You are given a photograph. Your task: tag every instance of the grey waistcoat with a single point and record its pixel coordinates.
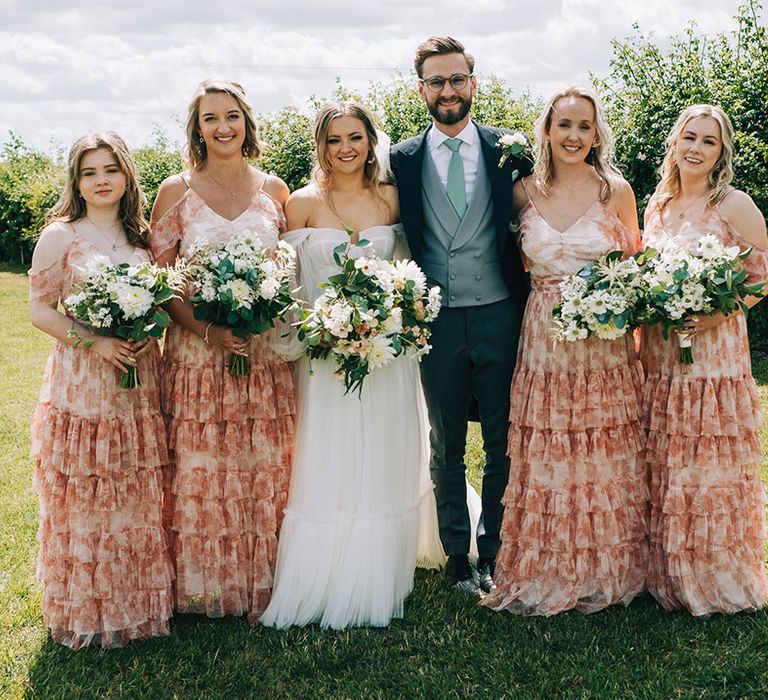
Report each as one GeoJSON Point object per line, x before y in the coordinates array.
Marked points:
{"type": "Point", "coordinates": [461, 255]}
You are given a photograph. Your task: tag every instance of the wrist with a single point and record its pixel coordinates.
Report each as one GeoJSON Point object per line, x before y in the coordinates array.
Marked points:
{"type": "Point", "coordinates": [79, 341]}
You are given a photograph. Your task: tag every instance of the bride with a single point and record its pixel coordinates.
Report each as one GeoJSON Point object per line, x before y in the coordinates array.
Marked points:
{"type": "Point", "coordinates": [360, 488]}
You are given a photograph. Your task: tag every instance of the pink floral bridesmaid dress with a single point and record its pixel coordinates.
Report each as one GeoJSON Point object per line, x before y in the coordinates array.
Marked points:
{"type": "Point", "coordinates": [574, 533]}
{"type": "Point", "coordinates": [99, 454]}
{"type": "Point", "coordinates": [230, 437]}
{"type": "Point", "coordinates": [707, 532]}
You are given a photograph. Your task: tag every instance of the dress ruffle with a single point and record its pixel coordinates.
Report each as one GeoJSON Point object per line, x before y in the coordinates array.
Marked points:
{"type": "Point", "coordinates": [708, 527]}
{"type": "Point", "coordinates": [78, 445]}
{"type": "Point", "coordinates": [579, 399]}
{"type": "Point", "coordinates": [231, 439]}
{"type": "Point", "coordinates": [574, 533]}
{"type": "Point", "coordinates": [580, 547]}
{"type": "Point", "coordinates": [100, 452]}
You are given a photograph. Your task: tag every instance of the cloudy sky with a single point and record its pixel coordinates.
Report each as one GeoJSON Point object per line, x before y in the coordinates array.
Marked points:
{"type": "Point", "coordinates": [67, 67]}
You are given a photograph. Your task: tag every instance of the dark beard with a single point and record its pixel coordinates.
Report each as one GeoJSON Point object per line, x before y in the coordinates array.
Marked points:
{"type": "Point", "coordinates": [452, 116]}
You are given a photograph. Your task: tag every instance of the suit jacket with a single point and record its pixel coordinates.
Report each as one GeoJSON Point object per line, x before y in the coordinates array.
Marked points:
{"type": "Point", "coordinates": [406, 160]}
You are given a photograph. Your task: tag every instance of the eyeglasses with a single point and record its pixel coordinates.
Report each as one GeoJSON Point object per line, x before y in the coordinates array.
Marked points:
{"type": "Point", "coordinates": [458, 81]}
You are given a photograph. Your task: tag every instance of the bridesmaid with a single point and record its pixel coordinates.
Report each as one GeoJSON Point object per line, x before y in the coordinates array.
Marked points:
{"type": "Point", "coordinates": [707, 515]}
{"type": "Point", "coordinates": [230, 437]}
{"type": "Point", "coordinates": [574, 528]}
{"type": "Point", "coordinates": [99, 450]}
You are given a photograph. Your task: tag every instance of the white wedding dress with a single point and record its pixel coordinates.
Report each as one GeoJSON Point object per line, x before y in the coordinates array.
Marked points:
{"type": "Point", "coordinates": [361, 509]}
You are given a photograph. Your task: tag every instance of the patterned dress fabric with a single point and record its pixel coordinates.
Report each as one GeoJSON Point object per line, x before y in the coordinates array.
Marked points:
{"type": "Point", "coordinates": [230, 437]}
{"type": "Point", "coordinates": [99, 454]}
{"type": "Point", "coordinates": [707, 531]}
{"type": "Point", "coordinates": [574, 533]}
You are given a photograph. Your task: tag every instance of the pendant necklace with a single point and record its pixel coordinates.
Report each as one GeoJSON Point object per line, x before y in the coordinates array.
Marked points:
{"type": "Point", "coordinates": [231, 193]}
{"type": "Point", "coordinates": [112, 243]}
{"type": "Point", "coordinates": [683, 212]}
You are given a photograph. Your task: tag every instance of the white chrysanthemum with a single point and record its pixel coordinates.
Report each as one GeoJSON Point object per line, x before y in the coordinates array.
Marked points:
{"type": "Point", "coordinates": [241, 293]}
{"type": "Point", "coordinates": [380, 351]}
{"type": "Point", "coordinates": [608, 331]}
{"type": "Point", "coordinates": [434, 303]}
{"type": "Point", "coordinates": [410, 271]}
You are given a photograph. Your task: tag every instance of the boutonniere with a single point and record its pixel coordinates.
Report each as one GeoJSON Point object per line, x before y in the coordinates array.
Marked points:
{"type": "Point", "coordinates": [511, 145]}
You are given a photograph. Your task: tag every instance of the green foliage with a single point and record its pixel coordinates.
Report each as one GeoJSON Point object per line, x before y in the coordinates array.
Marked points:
{"type": "Point", "coordinates": [154, 163]}
{"type": "Point", "coordinates": [648, 87]}
{"type": "Point", "coordinates": [29, 185]}
{"type": "Point", "coordinates": [289, 147]}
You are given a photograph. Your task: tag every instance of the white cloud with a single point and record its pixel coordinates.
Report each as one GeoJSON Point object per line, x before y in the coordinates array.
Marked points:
{"type": "Point", "coordinates": [68, 67]}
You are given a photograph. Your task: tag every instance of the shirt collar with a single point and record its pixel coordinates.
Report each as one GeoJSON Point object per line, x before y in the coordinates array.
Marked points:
{"type": "Point", "coordinates": [468, 135]}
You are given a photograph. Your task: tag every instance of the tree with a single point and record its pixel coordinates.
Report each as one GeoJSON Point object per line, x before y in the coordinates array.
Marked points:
{"type": "Point", "coordinates": [647, 89]}
{"type": "Point", "coordinates": [30, 183]}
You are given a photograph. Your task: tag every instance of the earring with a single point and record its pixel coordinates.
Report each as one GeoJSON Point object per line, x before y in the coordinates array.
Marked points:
{"type": "Point", "coordinates": [201, 140]}
{"type": "Point", "coordinates": [372, 159]}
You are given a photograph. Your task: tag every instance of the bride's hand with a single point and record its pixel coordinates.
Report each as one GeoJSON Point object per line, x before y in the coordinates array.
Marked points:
{"type": "Point", "coordinates": [223, 337]}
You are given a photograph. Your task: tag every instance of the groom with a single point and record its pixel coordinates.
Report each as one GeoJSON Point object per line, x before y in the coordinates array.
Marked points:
{"type": "Point", "coordinates": [455, 203]}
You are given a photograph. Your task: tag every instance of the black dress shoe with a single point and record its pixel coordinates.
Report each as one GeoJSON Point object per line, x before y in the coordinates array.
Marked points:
{"type": "Point", "coordinates": [486, 568]}
{"type": "Point", "coordinates": [460, 575]}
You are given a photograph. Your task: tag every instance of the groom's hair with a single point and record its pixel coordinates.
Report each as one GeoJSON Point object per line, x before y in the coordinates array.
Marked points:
{"type": "Point", "coordinates": [437, 46]}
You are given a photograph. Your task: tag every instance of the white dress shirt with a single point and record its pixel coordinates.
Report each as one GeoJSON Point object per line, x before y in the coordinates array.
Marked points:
{"type": "Point", "coordinates": [469, 152]}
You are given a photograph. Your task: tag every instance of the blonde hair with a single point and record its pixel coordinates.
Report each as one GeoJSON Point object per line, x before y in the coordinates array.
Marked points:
{"type": "Point", "coordinates": [600, 156]}
{"type": "Point", "coordinates": [719, 177]}
{"type": "Point", "coordinates": [71, 206]}
{"type": "Point", "coordinates": [196, 151]}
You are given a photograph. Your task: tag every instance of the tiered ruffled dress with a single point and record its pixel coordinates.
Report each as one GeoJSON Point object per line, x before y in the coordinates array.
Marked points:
{"type": "Point", "coordinates": [230, 437]}
{"type": "Point", "coordinates": [707, 531]}
{"type": "Point", "coordinates": [99, 453]}
{"type": "Point", "coordinates": [574, 533]}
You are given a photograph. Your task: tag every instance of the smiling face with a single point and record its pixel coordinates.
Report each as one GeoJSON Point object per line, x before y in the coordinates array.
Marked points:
{"type": "Point", "coordinates": [346, 145]}
{"type": "Point", "coordinates": [221, 124]}
{"type": "Point", "coordinates": [448, 105]}
{"type": "Point", "coordinates": [101, 181]}
{"type": "Point", "coordinates": [698, 147]}
{"type": "Point", "coordinates": [572, 129]}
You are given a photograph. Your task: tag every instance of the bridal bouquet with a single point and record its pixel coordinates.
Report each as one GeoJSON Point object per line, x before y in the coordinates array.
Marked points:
{"type": "Point", "coordinates": [600, 299]}
{"type": "Point", "coordinates": [123, 301]}
{"type": "Point", "coordinates": [243, 285]}
{"type": "Point", "coordinates": [369, 313]}
{"type": "Point", "coordinates": [682, 284]}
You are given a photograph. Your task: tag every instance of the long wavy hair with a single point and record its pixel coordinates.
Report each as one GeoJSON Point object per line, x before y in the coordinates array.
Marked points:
{"type": "Point", "coordinates": [323, 168]}
{"type": "Point", "coordinates": [719, 177]}
{"type": "Point", "coordinates": [195, 150]}
{"type": "Point", "coordinates": [71, 206]}
{"type": "Point", "coordinates": [600, 156]}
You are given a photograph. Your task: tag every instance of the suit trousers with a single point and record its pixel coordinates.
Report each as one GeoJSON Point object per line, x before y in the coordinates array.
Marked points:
{"type": "Point", "coordinates": [474, 350]}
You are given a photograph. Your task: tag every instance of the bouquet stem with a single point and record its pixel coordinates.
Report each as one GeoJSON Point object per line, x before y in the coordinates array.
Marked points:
{"type": "Point", "coordinates": [130, 379]}
{"type": "Point", "coordinates": [685, 354]}
{"type": "Point", "coordinates": [238, 366]}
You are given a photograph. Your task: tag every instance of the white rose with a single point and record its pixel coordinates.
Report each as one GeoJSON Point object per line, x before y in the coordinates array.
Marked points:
{"type": "Point", "coordinates": [269, 288]}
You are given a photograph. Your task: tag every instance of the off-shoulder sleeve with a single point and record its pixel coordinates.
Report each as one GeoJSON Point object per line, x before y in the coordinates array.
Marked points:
{"type": "Point", "coordinates": [46, 285]}
{"type": "Point", "coordinates": [168, 231]}
{"type": "Point", "coordinates": [283, 337]}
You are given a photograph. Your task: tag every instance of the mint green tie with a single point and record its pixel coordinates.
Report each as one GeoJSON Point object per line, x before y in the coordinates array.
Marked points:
{"type": "Point", "coordinates": [455, 186]}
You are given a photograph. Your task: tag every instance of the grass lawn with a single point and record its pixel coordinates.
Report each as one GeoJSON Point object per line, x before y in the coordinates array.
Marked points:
{"type": "Point", "coordinates": [443, 648]}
